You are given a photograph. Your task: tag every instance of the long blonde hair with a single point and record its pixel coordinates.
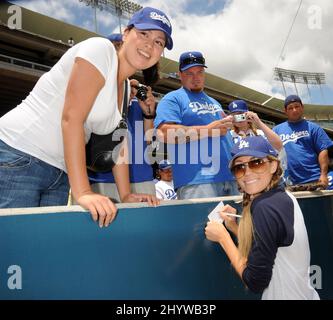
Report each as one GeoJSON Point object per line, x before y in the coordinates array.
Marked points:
{"type": "Point", "coordinates": [251, 126]}
{"type": "Point", "coordinates": [245, 228]}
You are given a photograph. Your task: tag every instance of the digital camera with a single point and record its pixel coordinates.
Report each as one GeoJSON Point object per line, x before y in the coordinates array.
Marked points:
{"type": "Point", "coordinates": [240, 117]}
{"type": "Point", "coordinates": [142, 92]}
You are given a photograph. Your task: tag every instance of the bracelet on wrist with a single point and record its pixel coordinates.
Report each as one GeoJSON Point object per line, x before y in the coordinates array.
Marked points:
{"type": "Point", "coordinates": [149, 116]}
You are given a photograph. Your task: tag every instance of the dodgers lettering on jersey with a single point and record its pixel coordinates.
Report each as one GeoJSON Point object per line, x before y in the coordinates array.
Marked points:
{"type": "Point", "coordinates": [201, 161]}
{"type": "Point", "coordinates": [165, 190]}
{"type": "Point", "coordinates": [294, 136]}
{"type": "Point", "coordinates": [303, 141]}
{"type": "Point", "coordinates": [204, 108]}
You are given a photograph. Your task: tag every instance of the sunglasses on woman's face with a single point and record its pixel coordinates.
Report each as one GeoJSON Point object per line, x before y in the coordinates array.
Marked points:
{"type": "Point", "coordinates": [255, 165]}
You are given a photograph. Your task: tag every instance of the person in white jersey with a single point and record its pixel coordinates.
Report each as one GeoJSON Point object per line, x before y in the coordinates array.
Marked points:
{"type": "Point", "coordinates": [273, 255]}
{"type": "Point", "coordinates": [42, 140]}
{"type": "Point", "coordinates": [164, 185]}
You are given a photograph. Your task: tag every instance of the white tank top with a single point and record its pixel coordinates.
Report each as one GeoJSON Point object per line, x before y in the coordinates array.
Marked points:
{"type": "Point", "coordinates": [34, 126]}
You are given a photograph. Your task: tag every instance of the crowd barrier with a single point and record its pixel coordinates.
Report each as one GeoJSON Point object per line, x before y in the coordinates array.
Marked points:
{"type": "Point", "coordinates": [146, 253]}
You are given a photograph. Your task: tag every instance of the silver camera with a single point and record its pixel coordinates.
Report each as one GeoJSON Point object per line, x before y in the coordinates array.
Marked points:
{"type": "Point", "coordinates": [240, 117]}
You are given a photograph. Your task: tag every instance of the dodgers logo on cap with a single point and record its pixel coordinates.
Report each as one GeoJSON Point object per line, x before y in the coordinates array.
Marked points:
{"type": "Point", "coordinates": [243, 144]}
{"type": "Point", "coordinates": [238, 106]}
{"type": "Point", "coordinates": [153, 19]}
{"type": "Point", "coordinates": [161, 17]}
{"type": "Point", "coordinates": [256, 146]}
{"type": "Point", "coordinates": [164, 165]}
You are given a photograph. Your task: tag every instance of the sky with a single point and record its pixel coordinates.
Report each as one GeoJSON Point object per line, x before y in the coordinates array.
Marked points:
{"type": "Point", "coordinates": [242, 41]}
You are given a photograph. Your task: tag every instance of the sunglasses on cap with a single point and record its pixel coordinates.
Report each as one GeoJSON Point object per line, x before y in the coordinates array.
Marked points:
{"type": "Point", "coordinates": [192, 60]}
{"type": "Point", "coordinates": [256, 165]}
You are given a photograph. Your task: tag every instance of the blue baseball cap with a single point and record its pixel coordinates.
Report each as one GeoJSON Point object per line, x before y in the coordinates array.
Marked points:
{"type": "Point", "coordinates": [164, 165]}
{"type": "Point", "coordinates": [153, 19]}
{"type": "Point", "coordinates": [292, 98]}
{"type": "Point", "coordinates": [115, 37]}
{"type": "Point", "coordinates": [238, 106]}
{"type": "Point", "coordinates": [191, 59]}
{"type": "Point", "coordinates": [256, 146]}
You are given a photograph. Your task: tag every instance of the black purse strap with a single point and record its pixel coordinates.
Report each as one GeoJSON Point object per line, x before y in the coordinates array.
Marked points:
{"type": "Point", "coordinates": [100, 148]}
{"type": "Point", "coordinates": [124, 112]}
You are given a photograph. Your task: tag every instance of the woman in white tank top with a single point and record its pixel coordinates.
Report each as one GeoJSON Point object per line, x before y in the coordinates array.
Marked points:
{"type": "Point", "coordinates": [42, 141]}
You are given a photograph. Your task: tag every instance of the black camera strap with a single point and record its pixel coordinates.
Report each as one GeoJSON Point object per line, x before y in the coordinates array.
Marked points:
{"type": "Point", "coordinates": [124, 111]}
{"type": "Point", "coordinates": [100, 148]}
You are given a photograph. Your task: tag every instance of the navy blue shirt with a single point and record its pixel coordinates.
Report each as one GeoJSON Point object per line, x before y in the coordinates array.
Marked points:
{"type": "Point", "coordinates": [273, 222]}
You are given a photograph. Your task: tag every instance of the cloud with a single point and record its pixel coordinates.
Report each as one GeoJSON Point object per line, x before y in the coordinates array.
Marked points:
{"type": "Point", "coordinates": [108, 21]}
{"type": "Point", "coordinates": [243, 42]}
{"type": "Point", "coordinates": [58, 9]}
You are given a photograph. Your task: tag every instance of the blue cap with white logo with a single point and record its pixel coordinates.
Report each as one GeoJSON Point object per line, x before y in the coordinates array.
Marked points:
{"type": "Point", "coordinates": [164, 165]}
{"type": "Point", "coordinates": [238, 106]}
{"type": "Point", "coordinates": [256, 146]}
{"type": "Point", "coordinates": [153, 19]}
{"type": "Point", "coordinates": [191, 59]}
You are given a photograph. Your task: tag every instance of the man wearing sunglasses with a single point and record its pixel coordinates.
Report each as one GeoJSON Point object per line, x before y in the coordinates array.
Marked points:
{"type": "Point", "coordinates": [194, 127]}
{"type": "Point", "coordinates": [306, 146]}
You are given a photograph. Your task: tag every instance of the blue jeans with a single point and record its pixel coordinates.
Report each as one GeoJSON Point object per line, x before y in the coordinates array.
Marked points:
{"type": "Point", "coordinates": [26, 181]}
{"type": "Point", "coordinates": [208, 190]}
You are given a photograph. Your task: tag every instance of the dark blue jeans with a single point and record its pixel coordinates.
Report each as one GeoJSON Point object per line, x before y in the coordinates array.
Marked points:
{"type": "Point", "coordinates": [26, 181]}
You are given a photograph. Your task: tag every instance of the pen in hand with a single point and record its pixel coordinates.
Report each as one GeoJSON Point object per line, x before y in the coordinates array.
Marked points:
{"type": "Point", "coordinates": [233, 215]}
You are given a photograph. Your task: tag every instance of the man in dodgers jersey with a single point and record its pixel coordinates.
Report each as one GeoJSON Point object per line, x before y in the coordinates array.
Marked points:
{"type": "Point", "coordinates": [306, 146]}
{"type": "Point", "coordinates": [195, 129]}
